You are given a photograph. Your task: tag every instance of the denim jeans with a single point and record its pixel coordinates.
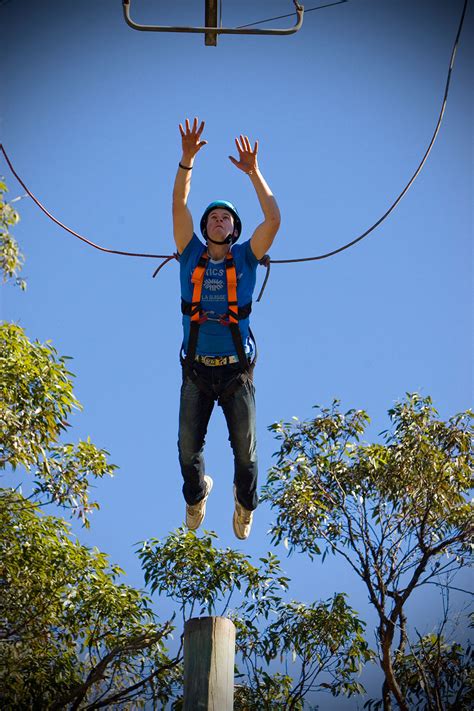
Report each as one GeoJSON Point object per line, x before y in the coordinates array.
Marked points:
{"type": "Point", "coordinates": [239, 410]}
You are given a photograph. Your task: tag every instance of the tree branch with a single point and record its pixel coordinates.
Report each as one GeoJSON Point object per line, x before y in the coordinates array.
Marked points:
{"type": "Point", "coordinates": [77, 694]}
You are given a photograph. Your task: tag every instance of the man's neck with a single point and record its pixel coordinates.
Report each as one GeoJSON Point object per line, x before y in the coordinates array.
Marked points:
{"type": "Point", "coordinates": [217, 251]}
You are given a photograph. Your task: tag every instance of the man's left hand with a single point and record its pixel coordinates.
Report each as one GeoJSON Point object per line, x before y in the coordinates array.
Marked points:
{"type": "Point", "coordinates": [247, 157]}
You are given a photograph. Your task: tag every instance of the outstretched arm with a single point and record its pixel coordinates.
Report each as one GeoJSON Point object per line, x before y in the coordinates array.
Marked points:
{"type": "Point", "coordinates": [264, 234]}
{"type": "Point", "coordinates": [182, 219]}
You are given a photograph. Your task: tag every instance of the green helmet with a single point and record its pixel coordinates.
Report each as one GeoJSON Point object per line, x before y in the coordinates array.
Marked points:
{"type": "Point", "coordinates": [223, 205]}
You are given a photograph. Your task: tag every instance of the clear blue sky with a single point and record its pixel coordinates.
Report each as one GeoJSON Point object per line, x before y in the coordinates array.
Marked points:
{"type": "Point", "coordinates": [343, 111]}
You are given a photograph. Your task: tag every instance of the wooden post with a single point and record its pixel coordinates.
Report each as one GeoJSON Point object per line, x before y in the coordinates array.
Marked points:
{"type": "Point", "coordinates": [209, 652]}
{"type": "Point", "coordinates": [210, 20]}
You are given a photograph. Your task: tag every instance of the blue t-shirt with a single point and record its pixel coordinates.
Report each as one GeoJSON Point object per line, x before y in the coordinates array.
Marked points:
{"type": "Point", "coordinates": [214, 338]}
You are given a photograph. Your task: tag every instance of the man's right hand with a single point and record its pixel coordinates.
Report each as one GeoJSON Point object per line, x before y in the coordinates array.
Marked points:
{"type": "Point", "coordinates": [182, 220]}
{"type": "Point", "coordinates": [191, 140]}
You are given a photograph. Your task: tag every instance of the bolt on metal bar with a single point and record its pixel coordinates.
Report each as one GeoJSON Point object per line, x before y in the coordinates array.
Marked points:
{"type": "Point", "coordinates": [213, 30]}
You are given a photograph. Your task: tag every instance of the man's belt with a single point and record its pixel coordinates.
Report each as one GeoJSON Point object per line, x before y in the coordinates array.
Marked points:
{"type": "Point", "coordinates": [216, 360]}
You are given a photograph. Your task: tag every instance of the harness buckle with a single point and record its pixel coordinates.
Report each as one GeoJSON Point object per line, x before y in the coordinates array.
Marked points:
{"type": "Point", "coordinates": [228, 320]}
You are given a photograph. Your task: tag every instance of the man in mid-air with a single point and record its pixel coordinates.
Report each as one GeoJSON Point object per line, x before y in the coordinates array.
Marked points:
{"type": "Point", "coordinates": [217, 282]}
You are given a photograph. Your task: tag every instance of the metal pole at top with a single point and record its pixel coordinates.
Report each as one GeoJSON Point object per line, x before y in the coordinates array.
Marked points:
{"type": "Point", "coordinates": [210, 20]}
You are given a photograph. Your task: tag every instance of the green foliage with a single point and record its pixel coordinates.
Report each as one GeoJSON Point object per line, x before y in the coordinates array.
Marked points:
{"type": "Point", "coordinates": [268, 693]}
{"type": "Point", "coordinates": [324, 642]}
{"type": "Point", "coordinates": [195, 574]}
{"type": "Point", "coordinates": [37, 396]}
{"type": "Point", "coordinates": [322, 638]}
{"type": "Point", "coordinates": [418, 479]}
{"type": "Point", "coordinates": [437, 674]}
{"type": "Point", "coordinates": [11, 259]}
{"type": "Point", "coordinates": [397, 512]}
{"type": "Point", "coordinates": [69, 631]}
{"type": "Point", "coordinates": [325, 636]}
{"type": "Point", "coordinates": [36, 400]}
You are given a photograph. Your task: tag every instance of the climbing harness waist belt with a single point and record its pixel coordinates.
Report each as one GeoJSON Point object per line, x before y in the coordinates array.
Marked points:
{"type": "Point", "coordinates": [230, 319]}
{"type": "Point", "coordinates": [215, 361]}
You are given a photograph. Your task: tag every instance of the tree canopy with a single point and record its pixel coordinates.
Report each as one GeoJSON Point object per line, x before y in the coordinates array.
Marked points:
{"type": "Point", "coordinates": [72, 635]}
{"type": "Point", "coordinates": [397, 512]}
{"type": "Point", "coordinates": [36, 400]}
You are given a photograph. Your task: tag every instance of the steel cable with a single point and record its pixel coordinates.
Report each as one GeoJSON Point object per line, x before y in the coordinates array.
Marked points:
{"type": "Point", "coordinates": [281, 17]}
{"type": "Point", "coordinates": [414, 176]}
{"type": "Point", "coordinates": [405, 189]}
{"type": "Point", "coordinates": [68, 229]}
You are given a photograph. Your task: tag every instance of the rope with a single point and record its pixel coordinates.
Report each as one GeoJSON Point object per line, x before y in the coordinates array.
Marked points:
{"type": "Point", "coordinates": [410, 182]}
{"type": "Point", "coordinates": [165, 261]}
{"type": "Point", "coordinates": [281, 17]}
{"type": "Point", "coordinates": [68, 229]}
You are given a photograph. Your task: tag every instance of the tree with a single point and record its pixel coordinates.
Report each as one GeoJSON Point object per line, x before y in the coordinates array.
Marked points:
{"type": "Point", "coordinates": [36, 399]}
{"type": "Point", "coordinates": [324, 641]}
{"type": "Point", "coordinates": [11, 259]}
{"type": "Point", "coordinates": [71, 635]}
{"type": "Point", "coordinates": [437, 675]}
{"type": "Point", "coordinates": [396, 512]}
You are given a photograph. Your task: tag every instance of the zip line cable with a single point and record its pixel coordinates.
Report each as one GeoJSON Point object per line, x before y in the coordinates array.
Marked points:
{"type": "Point", "coordinates": [415, 174]}
{"type": "Point", "coordinates": [267, 261]}
{"type": "Point", "coordinates": [405, 189]}
{"type": "Point", "coordinates": [280, 17]}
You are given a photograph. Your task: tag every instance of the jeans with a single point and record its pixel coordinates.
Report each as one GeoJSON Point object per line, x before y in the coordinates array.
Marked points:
{"type": "Point", "coordinates": [239, 410]}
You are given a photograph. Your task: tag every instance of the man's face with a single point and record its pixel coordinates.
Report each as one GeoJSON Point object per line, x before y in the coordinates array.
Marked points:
{"type": "Point", "coordinates": [220, 224]}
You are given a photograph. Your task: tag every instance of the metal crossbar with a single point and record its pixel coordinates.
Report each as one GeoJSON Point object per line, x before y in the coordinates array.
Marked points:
{"type": "Point", "coordinates": [211, 29]}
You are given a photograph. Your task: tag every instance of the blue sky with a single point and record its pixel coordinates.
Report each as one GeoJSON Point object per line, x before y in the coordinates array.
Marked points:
{"type": "Point", "coordinates": [343, 112]}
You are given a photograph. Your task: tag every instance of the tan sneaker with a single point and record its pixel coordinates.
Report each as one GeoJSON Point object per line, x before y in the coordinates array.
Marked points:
{"type": "Point", "coordinates": [195, 513]}
{"type": "Point", "coordinates": [242, 520]}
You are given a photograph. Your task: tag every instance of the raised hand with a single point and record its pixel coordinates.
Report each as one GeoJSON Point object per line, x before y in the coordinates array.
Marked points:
{"type": "Point", "coordinates": [247, 157]}
{"type": "Point", "coordinates": [191, 138]}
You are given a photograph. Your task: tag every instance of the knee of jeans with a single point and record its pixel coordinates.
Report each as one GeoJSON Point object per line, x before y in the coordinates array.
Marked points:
{"type": "Point", "coordinates": [188, 448]}
{"type": "Point", "coordinates": [188, 433]}
{"type": "Point", "coordinates": [246, 459]}
{"type": "Point", "coordinates": [188, 458]}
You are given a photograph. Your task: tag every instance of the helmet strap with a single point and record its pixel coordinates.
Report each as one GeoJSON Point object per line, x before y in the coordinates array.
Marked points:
{"type": "Point", "coordinates": [228, 240]}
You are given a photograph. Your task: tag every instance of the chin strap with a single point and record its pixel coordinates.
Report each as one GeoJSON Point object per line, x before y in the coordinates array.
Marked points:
{"type": "Point", "coordinates": [228, 240]}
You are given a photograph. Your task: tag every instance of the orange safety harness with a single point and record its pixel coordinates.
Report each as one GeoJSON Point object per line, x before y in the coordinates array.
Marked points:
{"type": "Point", "coordinates": [230, 319]}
